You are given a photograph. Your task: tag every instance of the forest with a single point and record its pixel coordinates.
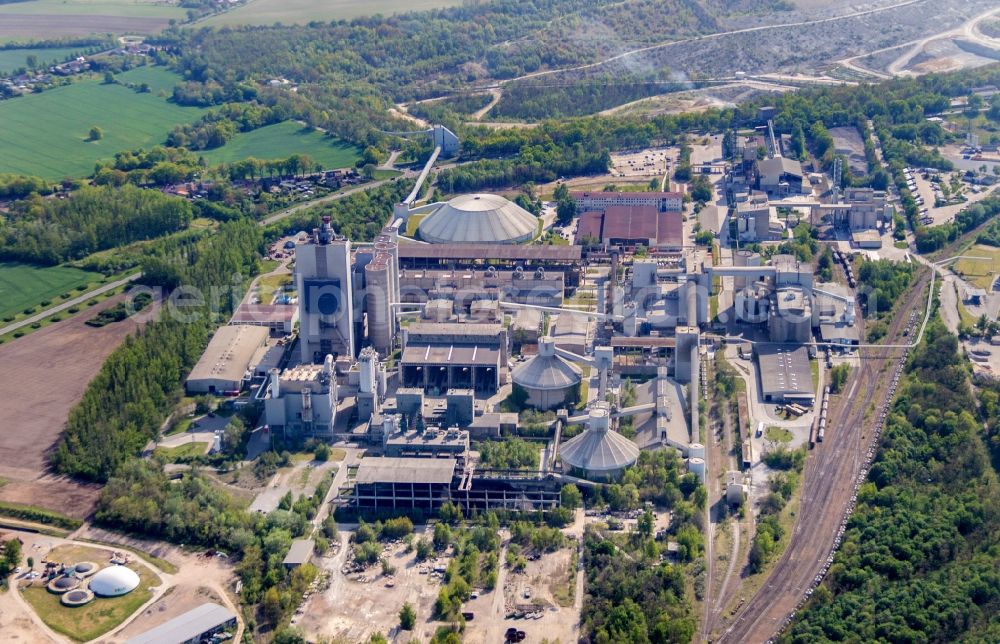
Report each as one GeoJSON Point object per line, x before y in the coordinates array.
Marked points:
{"type": "Point", "coordinates": [631, 595]}
{"type": "Point", "coordinates": [125, 404]}
{"type": "Point", "coordinates": [918, 562]}
{"type": "Point", "coordinates": [51, 231]}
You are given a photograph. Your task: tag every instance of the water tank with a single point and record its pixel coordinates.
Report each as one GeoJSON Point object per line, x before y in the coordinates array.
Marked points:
{"type": "Point", "coordinates": [696, 450]}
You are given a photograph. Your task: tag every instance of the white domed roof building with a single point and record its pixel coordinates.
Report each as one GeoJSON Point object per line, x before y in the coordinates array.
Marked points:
{"type": "Point", "coordinates": [114, 581]}
{"type": "Point", "coordinates": [599, 453]}
{"type": "Point", "coordinates": [478, 219]}
{"type": "Point", "coordinates": [548, 378]}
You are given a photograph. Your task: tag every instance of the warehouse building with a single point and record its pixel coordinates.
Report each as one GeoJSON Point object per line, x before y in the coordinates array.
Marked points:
{"type": "Point", "coordinates": [632, 226]}
{"type": "Point", "coordinates": [299, 554]}
{"type": "Point", "coordinates": [199, 624]}
{"type": "Point", "coordinates": [226, 363]}
{"type": "Point", "coordinates": [465, 286]}
{"type": "Point", "coordinates": [785, 375]}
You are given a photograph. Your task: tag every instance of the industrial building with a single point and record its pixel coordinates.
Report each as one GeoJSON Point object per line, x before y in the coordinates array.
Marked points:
{"type": "Point", "coordinates": [785, 374]}
{"type": "Point", "coordinates": [466, 286]}
{"type": "Point", "coordinates": [753, 218]}
{"type": "Point", "coordinates": [550, 380]}
{"type": "Point", "coordinates": [392, 484]}
{"type": "Point", "coordinates": [601, 201]}
{"type": "Point", "coordinates": [438, 357]}
{"type": "Point", "coordinates": [632, 226]}
{"type": "Point", "coordinates": [377, 287]}
{"type": "Point", "coordinates": [302, 400]}
{"type": "Point", "coordinates": [834, 315]}
{"type": "Point", "coordinates": [299, 554]}
{"type": "Point", "coordinates": [477, 218]}
{"type": "Point", "coordinates": [790, 315]}
{"type": "Point", "coordinates": [780, 177]}
{"type": "Point", "coordinates": [279, 318]}
{"type": "Point", "coordinates": [226, 363]}
{"type": "Point", "coordinates": [197, 625]}
{"type": "Point", "coordinates": [323, 279]}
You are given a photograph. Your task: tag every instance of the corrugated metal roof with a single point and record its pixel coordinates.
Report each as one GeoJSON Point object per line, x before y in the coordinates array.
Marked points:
{"type": "Point", "coordinates": [187, 626]}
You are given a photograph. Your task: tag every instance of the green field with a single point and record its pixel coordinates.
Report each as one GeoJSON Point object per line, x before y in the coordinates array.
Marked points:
{"type": "Point", "coordinates": [24, 286]}
{"type": "Point", "coordinates": [280, 141]}
{"type": "Point", "coordinates": [267, 12]}
{"type": "Point", "coordinates": [115, 8]}
{"type": "Point", "coordinates": [157, 77]}
{"type": "Point", "coordinates": [980, 272]}
{"type": "Point", "coordinates": [92, 620]}
{"type": "Point", "coordinates": [46, 134]}
{"type": "Point", "coordinates": [11, 59]}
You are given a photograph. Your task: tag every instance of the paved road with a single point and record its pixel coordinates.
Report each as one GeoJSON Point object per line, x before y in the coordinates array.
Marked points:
{"type": "Point", "coordinates": [68, 304]}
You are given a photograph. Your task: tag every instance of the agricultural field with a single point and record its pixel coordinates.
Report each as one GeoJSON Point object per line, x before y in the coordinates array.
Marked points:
{"type": "Point", "coordinates": [267, 12]}
{"type": "Point", "coordinates": [40, 19]}
{"type": "Point", "coordinates": [11, 59]}
{"type": "Point", "coordinates": [59, 121]}
{"type": "Point", "coordinates": [24, 286]}
{"type": "Point", "coordinates": [158, 78]}
{"type": "Point", "coordinates": [280, 141]}
{"type": "Point", "coordinates": [980, 272]}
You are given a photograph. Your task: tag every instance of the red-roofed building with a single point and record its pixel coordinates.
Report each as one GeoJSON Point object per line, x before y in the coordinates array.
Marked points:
{"type": "Point", "coordinates": [633, 226]}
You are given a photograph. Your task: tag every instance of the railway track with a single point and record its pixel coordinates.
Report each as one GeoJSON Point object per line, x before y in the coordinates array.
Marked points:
{"type": "Point", "coordinates": [831, 476]}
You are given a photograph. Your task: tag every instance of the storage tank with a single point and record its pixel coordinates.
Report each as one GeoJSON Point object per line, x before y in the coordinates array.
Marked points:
{"type": "Point", "coordinates": [696, 450]}
{"type": "Point", "coordinates": [697, 466]}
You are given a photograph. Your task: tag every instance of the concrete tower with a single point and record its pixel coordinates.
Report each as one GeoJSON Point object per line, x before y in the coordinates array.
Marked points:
{"type": "Point", "coordinates": [323, 280]}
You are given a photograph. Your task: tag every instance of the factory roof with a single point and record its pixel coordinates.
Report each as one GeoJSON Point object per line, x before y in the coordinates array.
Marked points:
{"type": "Point", "coordinates": [300, 552]}
{"type": "Point", "coordinates": [784, 370]}
{"type": "Point", "coordinates": [570, 324]}
{"type": "Point", "coordinates": [422, 353]}
{"type": "Point", "coordinates": [464, 329]}
{"type": "Point", "coordinates": [771, 169]}
{"type": "Point", "coordinates": [589, 226]}
{"type": "Point", "coordinates": [643, 222]}
{"type": "Point", "coordinates": [186, 627]}
{"type": "Point", "coordinates": [480, 251]}
{"type": "Point", "coordinates": [229, 353]}
{"type": "Point", "coordinates": [479, 218]}
{"type": "Point", "coordinates": [405, 470]}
